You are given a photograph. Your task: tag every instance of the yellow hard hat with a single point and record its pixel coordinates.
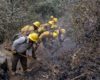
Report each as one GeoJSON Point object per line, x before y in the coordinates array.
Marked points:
{"type": "Point", "coordinates": [55, 34]}
{"type": "Point", "coordinates": [53, 26]}
{"type": "Point", "coordinates": [51, 22]}
{"type": "Point", "coordinates": [57, 31]}
{"type": "Point", "coordinates": [46, 33]}
{"type": "Point", "coordinates": [51, 17]}
{"type": "Point", "coordinates": [63, 31]}
{"type": "Point", "coordinates": [33, 36]}
{"type": "Point", "coordinates": [55, 19]}
{"type": "Point", "coordinates": [37, 24]}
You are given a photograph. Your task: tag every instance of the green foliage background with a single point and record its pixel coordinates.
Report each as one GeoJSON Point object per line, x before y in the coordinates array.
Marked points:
{"type": "Point", "coordinates": [16, 13]}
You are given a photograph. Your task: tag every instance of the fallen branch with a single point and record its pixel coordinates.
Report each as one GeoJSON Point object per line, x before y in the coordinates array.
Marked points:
{"type": "Point", "coordinates": [79, 76]}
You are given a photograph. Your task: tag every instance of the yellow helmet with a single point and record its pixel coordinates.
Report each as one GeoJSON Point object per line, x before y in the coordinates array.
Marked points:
{"type": "Point", "coordinates": [57, 31]}
{"type": "Point", "coordinates": [53, 26]}
{"type": "Point", "coordinates": [51, 22]}
{"type": "Point", "coordinates": [51, 17]}
{"type": "Point", "coordinates": [46, 33]}
{"type": "Point", "coordinates": [63, 31]}
{"type": "Point", "coordinates": [34, 37]}
{"type": "Point", "coordinates": [55, 20]}
{"type": "Point", "coordinates": [37, 24]}
{"type": "Point", "coordinates": [55, 34]}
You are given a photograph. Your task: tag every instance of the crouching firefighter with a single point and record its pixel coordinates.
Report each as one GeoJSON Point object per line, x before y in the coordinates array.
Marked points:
{"type": "Point", "coordinates": [19, 48]}
{"type": "Point", "coordinates": [3, 67]}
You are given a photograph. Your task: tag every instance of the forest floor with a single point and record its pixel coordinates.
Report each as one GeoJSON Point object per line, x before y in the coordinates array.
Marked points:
{"type": "Point", "coordinates": [59, 64]}
{"type": "Point", "coordinates": [46, 67]}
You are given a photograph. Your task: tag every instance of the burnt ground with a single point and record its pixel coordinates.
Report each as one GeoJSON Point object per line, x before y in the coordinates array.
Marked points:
{"type": "Point", "coordinates": [60, 65]}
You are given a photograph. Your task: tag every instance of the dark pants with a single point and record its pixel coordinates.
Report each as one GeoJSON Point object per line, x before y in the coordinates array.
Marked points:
{"type": "Point", "coordinates": [23, 61]}
{"type": "Point", "coordinates": [33, 53]}
{"type": "Point", "coordinates": [4, 71]}
{"type": "Point", "coordinates": [35, 47]}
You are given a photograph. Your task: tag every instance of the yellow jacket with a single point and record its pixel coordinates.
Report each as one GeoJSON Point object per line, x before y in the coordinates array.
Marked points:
{"type": "Point", "coordinates": [27, 29]}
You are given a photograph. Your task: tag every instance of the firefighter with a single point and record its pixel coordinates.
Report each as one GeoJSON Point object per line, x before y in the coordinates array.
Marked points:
{"type": "Point", "coordinates": [26, 30]}
{"type": "Point", "coordinates": [22, 32]}
{"type": "Point", "coordinates": [36, 26]}
{"type": "Point", "coordinates": [19, 48]}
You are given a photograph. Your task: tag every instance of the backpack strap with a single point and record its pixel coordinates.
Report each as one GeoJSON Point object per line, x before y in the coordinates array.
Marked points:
{"type": "Point", "coordinates": [24, 41]}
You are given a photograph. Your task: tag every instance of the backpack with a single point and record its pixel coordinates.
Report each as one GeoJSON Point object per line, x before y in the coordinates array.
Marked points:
{"type": "Point", "coordinates": [16, 36]}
